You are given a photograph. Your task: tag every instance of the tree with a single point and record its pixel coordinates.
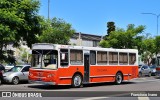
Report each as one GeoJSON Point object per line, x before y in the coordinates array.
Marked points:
{"type": "Point", "coordinates": [157, 44]}
{"type": "Point", "coordinates": [19, 20]}
{"type": "Point", "coordinates": [149, 48]}
{"type": "Point", "coordinates": [111, 27]}
{"type": "Point", "coordinates": [56, 31]}
{"type": "Point", "coordinates": [121, 38]}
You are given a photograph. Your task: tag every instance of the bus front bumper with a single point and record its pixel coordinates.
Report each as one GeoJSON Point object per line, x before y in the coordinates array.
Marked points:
{"type": "Point", "coordinates": [41, 82]}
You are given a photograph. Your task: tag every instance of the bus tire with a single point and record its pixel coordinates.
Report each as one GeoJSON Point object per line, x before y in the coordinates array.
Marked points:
{"type": "Point", "coordinates": [118, 78]}
{"type": "Point", "coordinates": [77, 81]}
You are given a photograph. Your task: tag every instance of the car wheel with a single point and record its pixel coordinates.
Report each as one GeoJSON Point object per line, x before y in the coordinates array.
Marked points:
{"type": "Point", "coordinates": [118, 79]}
{"type": "Point", "coordinates": [77, 81]}
{"type": "Point", "coordinates": [149, 74]}
{"type": "Point", "coordinates": [15, 80]}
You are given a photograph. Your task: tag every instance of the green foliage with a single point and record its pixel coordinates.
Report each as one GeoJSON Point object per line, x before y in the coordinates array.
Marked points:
{"type": "Point", "coordinates": [157, 44]}
{"type": "Point", "coordinates": [19, 20]}
{"type": "Point", "coordinates": [56, 31]}
{"type": "Point", "coordinates": [149, 48]}
{"type": "Point", "coordinates": [111, 27]}
{"type": "Point", "coordinates": [104, 43]}
{"type": "Point", "coordinates": [132, 38]}
{"type": "Point", "coordinates": [128, 38]}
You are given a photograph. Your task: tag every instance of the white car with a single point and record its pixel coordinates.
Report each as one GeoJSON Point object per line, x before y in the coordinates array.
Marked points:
{"type": "Point", "coordinates": [8, 67]}
{"type": "Point", "coordinates": [16, 74]}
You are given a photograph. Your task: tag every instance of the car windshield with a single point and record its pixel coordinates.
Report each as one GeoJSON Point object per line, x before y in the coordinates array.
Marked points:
{"type": "Point", "coordinates": [15, 69]}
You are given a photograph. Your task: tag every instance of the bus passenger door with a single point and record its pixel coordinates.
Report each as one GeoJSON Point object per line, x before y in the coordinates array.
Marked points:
{"type": "Point", "coordinates": [86, 68]}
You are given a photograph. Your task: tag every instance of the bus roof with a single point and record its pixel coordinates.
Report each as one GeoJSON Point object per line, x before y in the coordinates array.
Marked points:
{"type": "Point", "coordinates": [49, 46]}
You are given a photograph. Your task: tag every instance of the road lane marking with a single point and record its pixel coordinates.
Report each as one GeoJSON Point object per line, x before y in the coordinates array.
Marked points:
{"type": "Point", "coordinates": [143, 98]}
{"type": "Point", "coordinates": [93, 98]}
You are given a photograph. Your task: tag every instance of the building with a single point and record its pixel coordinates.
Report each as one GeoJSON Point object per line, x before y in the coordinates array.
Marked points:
{"type": "Point", "coordinates": [83, 39]}
{"type": "Point", "coordinates": [80, 39]}
{"type": "Point", "coordinates": [20, 54]}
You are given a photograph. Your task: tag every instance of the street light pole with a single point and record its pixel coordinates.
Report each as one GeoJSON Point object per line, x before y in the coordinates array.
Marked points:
{"type": "Point", "coordinates": [157, 16]}
{"type": "Point", "coordinates": [48, 8]}
{"type": "Point", "coordinates": [157, 23]}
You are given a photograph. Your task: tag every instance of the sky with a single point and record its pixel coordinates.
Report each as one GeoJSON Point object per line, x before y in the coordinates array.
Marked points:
{"type": "Point", "coordinates": [91, 16]}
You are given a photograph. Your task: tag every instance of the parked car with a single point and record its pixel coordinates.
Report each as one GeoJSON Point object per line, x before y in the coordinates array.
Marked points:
{"type": "Point", "coordinates": [1, 77]}
{"type": "Point", "coordinates": [16, 74]}
{"type": "Point", "coordinates": [144, 70]}
{"type": "Point", "coordinates": [153, 70]}
{"type": "Point", "coordinates": [2, 68]}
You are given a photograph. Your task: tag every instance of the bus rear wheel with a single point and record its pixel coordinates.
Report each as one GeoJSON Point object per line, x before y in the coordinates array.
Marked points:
{"type": "Point", "coordinates": [119, 78]}
{"type": "Point", "coordinates": [77, 81]}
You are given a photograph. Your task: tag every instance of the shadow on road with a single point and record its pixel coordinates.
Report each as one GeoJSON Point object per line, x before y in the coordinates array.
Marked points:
{"type": "Point", "coordinates": [21, 82]}
{"type": "Point", "coordinates": [50, 87]}
{"type": "Point", "coordinates": [157, 77]}
{"type": "Point", "coordinates": [106, 84]}
{"type": "Point", "coordinates": [59, 87]}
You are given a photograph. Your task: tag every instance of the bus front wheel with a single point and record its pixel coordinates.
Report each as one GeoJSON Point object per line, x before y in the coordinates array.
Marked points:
{"type": "Point", "coordinates": [77, 81]}
{"type": "Point", "coordinates": [118, 78]}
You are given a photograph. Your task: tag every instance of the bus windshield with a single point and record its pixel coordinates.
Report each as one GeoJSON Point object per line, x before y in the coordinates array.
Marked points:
{"type": "Point", "coordinates": [45, 59]}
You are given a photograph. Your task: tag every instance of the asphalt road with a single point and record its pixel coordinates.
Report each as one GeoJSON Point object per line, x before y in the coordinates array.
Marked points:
{"type": "Point", "coordinates": [147, 88]}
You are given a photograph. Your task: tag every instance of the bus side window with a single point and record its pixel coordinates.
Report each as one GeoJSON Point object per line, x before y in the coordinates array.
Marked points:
{"type": "Point", "coordinates": [76, 57]}
{"type": "Point", "coordinates": [93, 57]}
{"type": "Point", "coordinates": [113, 58]}
{"type": "Point", "coordinates": [132, 58]}
{"type": "Point", "coordinates": [123, 58]}
{"type": "Point", "coordinates": [102, 57]}
{"type": "Point", "coordinates": [64, 57]}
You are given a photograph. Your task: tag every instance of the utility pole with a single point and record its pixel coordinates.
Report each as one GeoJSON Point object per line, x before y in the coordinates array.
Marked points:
{"type": "Point", "coordinates": [48, 8]}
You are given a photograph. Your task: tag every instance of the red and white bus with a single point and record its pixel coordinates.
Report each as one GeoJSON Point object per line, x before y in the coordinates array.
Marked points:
{"type": "Point", "coordinates": [77, 65]}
